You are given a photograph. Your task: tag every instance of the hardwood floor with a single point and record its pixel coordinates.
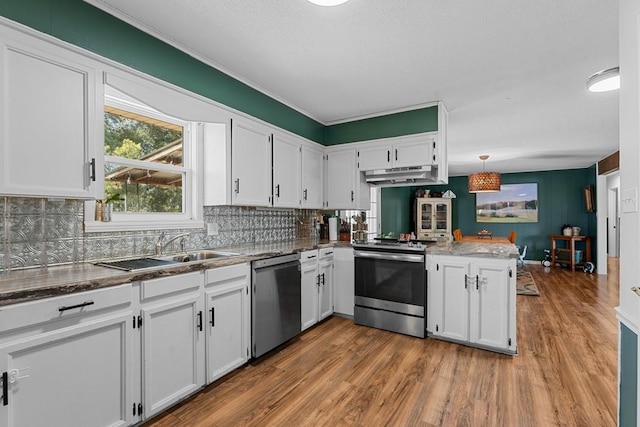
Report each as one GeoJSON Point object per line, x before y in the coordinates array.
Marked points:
{"type": "Point", "coordinates": [338, 373]}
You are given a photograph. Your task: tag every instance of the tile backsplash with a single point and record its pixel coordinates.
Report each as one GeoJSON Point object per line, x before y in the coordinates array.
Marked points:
{"type": "Point", "coordinates": [41, 232]}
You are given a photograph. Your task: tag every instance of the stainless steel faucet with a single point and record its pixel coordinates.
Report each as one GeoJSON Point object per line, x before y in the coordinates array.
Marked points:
{"type": "Point", "coordinates": [160, 246]}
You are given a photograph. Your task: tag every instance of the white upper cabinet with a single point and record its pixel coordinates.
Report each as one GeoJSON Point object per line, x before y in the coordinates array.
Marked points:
{"type": "Point", "coordinates": [405, 151]}
{"type": "Point", "coordinates": [345, 186]}
{"type": "Point", "coordinates": [49, 119]}
{"type": "Point", "coordinates": [312, 177]}
{"type": "Point", "coordinates": [286, 171]}
{"type": "Point", "coordinates": [250, 163]}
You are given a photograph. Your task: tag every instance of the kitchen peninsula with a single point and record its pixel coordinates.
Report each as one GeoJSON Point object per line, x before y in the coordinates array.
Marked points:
{"type": "Point", "coordinates": [472, 294]}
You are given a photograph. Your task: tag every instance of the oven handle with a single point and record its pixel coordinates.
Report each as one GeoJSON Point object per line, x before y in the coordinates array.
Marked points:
{"type": "Point", "coordinates": [389, 256]}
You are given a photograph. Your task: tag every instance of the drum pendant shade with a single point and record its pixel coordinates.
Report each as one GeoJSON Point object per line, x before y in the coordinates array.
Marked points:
{"type": "Point", "coordinates": [484, 182]}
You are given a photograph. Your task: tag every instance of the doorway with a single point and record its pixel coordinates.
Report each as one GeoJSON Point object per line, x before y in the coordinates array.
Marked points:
{"type": "Point", "coordinates": [613, 223]}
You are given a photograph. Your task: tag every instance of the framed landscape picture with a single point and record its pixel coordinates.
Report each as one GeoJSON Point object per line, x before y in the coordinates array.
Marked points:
{"type": "Point", "coordinates": [513, 203]}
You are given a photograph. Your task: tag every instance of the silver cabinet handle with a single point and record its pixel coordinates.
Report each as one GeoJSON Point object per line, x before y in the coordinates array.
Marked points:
{"type": "Point", "coordinates": [237, 182]}
{"type": "Point", "coordinates": [352, 195]}
{"type": "Point", "coordinates": [305, 194]}
{"type": "Point", "coordinates": [278, 190]}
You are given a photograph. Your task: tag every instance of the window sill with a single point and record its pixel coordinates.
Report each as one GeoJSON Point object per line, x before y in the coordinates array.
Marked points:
{"type": "Point", "coordinates": [103, 227]}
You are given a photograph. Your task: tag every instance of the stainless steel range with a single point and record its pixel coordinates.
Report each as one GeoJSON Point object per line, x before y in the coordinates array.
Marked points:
{"type": "Point", "coordinates": [391, 286]}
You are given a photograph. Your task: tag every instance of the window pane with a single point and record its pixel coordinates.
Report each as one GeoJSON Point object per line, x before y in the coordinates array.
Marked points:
{"type": "Point", "coordinates": [143, 190]}
{"type": "Point", "coordinates": [134, 136]}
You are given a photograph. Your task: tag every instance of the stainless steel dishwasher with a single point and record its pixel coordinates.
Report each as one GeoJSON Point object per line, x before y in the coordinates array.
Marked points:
{"type": "Point", "coordinates": [275, 315]}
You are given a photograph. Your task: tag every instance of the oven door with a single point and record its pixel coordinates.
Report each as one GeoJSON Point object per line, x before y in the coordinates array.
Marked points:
{"type": "Point", "coordinates": [391, 281]}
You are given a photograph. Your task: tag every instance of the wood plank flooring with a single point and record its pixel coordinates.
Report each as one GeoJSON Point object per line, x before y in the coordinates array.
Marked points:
{"type": "Point", "coordinates": [338, 373]}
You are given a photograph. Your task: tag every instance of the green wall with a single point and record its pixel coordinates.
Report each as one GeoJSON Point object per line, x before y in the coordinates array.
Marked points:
{"type": "Point", "coordinates": [560, 201]}
{"type": "Point", "coordinates": [387, 126]}
{"type": "Point", "coordinates": [628, 377]}
{"type": "Point", "coordinates": [81, 24]}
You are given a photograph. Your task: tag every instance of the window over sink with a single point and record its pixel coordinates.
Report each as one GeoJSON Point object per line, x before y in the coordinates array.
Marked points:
{"type": "Point", "coordinates": [149, 169]}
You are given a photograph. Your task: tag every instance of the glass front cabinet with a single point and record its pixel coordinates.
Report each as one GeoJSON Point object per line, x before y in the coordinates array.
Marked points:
{"type": "Point", "coordinates": [433, 219]}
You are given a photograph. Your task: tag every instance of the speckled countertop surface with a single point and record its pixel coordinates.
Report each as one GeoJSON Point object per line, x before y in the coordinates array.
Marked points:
{"type": "Point", "coordinates": [32, 284]}
{"type": "Point", "coordinates": [474, 249]}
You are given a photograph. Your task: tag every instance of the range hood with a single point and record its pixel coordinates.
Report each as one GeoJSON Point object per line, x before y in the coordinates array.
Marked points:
{"type": "Point", "coordinates": [402, 177]}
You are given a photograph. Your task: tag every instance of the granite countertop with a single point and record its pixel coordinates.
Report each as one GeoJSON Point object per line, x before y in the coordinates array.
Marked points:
{"type": "Point", "coordinates": [474, 249]}
{"type": "Point", "coordinates": [37, 283]}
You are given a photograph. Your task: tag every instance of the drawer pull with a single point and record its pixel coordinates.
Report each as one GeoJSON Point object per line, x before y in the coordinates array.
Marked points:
{"type": "Point", "coordinates": [5, 389]}
{"type": "Point", "coordinates": [71, 307]}
{"type": "Point", "coordinates": [636, 290]}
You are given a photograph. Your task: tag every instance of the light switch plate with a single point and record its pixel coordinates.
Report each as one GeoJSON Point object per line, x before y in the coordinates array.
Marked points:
{"type": "Point", "coordinates": [212, 229]}
{"type": "Point", "coordinates": [630, 200]}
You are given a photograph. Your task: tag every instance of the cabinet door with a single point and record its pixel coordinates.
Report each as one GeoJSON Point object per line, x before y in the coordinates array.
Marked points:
{"type": "Point", "coordinates": [453, 293]}
{"type": "Point", "coordinates": [172, 352]}
{"type": "Point", "coordinates": [413, 153]}
{"type": "Point", "coordinates": [47, 119]}
{"type": "Point", "coordinates": [341, 179]}
{"type": "Point", "coordinates": [442, 217]}
{"type": "Point", "coordinates": [75, 376]}
{"type": "Point", "coordinates": [310, 283]}
{"type": "Point", "coordinates": [227, 324]}
{"type": "Point", "coordinates": [250, 163]}
{"type": "Point", "coordinates": [489, 304]}
{"type": "Point", "coordinates": [286, 172]}
{"type": "Point", "coordinates": [425, 218]}
{"type": "Point", "coordinates": [376, 157]}
{"type": "Point", "coordinates": [326, 287]}
{"type": "Point", "coordinates": [343, 281]}
{"type": "Point", "coordinates": [312, 178]}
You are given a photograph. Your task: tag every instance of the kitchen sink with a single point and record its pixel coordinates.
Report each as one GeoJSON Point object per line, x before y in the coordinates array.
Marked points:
{"type": "Point", "coordinates": [198, 256]}
{"type": "Point", "coordinates": [163, 261]}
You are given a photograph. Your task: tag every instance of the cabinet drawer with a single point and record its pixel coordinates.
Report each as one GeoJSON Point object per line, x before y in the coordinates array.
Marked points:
{"type": "Point", "coordinates": [309, 256]}
{"type": "Point", "coordinates": [179, 283]}
{"type": "Point", "coordinates": [326, 252]}
{"type": "Point", "coordinates": [58, 308]}
{"type": "Point", "coordinates": [231, 273]}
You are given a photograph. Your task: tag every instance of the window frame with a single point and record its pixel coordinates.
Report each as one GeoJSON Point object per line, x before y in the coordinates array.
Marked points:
{"type": "Point", "coordinates": [192, 215]}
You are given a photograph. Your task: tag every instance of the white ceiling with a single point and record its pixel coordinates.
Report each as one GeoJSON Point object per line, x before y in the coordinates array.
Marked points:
{"type": "Point", "coordinates": [512, 73]}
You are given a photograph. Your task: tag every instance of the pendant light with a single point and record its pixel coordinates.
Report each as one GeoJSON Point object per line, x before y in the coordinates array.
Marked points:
{"type": "Point", "coordinates": [328, 2]}
{"type": "Point", "coordinates": [604, 81]}
{"type": "Point", "coordinates": [484, 182]}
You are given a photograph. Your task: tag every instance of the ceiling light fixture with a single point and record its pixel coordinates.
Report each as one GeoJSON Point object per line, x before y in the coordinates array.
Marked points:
{"type": "Point", "coordinates": [328, 2]}
{"type": "Point", "coordinates": [605, 80]}
{"type": "Point", "coordinates": [484, 182]}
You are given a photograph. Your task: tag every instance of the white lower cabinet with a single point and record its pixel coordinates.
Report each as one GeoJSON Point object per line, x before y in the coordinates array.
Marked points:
{"type": "Point", "coordinates": [344, 281]}
{"type": "Point", "coordinates": [172, 340]}
{"type": "Point", "coordinates": [325, 271]}
{"type": "Point", "coordinates": [317, 286]}
{"type": "Point", "coordinates": [228, 319]}
{"type": "Point", "coordinates": [472, 300]}
{"type": "Point", "coordinates": [66, 361]}
{"type": "Point", "coordinates": [310, 282]}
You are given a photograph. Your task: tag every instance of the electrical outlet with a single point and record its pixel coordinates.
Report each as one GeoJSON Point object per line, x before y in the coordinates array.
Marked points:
{"type": "Point", "coordinates": [212, 229]}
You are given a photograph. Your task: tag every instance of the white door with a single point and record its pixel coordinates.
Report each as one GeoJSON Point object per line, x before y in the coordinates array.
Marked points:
{"type": "Point", "coordinates": [48, 121]}
{"type": "Point", "coordinates": [312, 178]}
{"type": "Point", "coordinates": [227, 323]}
{"type": "Point", "coordinates": [377, 157]}
{"type": "Point", "coordinates": [325, 271]}
{"type": "Point", "coordinates": [612, 224]}
{"type": "Point", "coordinates": [73, 377]}
{"type": "Point", "coordinates": [489, 304]}
{"type": "Point", "coordinates": [250, 163]}
{"type": "Point", "coordinates": [341, 179]}
{"type": "Point", "coordinates": [453, 273]}
{"type": "Point", "coordinates": [172, 352]}
{"type": "Point", "coordinates": [286, 172]}
{"type": "Point", "coordinates": [414, 153]}
{"type": "Point", "coordinates": [310, 283]}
